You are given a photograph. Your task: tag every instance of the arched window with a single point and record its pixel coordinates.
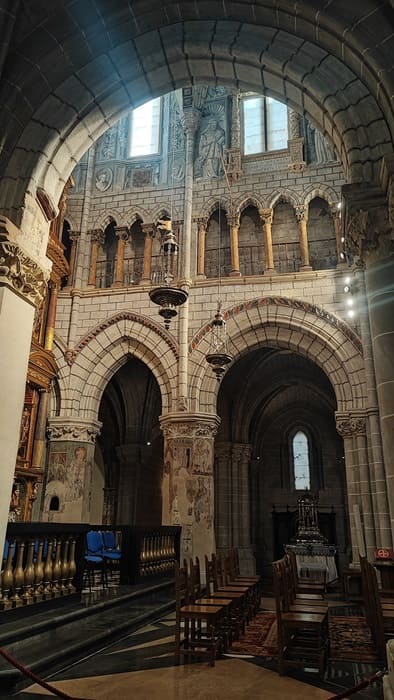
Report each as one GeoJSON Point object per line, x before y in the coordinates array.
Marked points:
{"type": "Point", "coordinates": [54, 504]}
{"type": "Point", "coordinates": [300, 461]}
{"type": "Point", "coordinates": [264, 124]}
{"type": "Point", "coordinates": [145, 129]}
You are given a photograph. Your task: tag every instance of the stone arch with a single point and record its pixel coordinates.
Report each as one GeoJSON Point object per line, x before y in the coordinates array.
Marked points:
{"type": "Point", "coordinates": [211, 205]}
{"type": "Point", "coordinates": [67, 110]}
{"type": "Point", "coordinates": [323, 191]}
{"type": "Point", "coordinates": [108, 216]}
{"type": "Point", "coordinates": [137, 214]}
{"type": "Point", "coordinates": [281, 322]}
{"type": "Point", "coordinates": [286, 195]}
{"type": "Point", "coordinates": [102, 351]}
{"type": "Point", "coordinates": [167, 209]}
{"type": "Point", "coordinates": [251, 200]}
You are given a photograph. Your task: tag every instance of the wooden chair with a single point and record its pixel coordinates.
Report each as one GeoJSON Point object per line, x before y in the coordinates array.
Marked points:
{"type": "Point", "coordinates": [302, 636]}
{"type": "Point", "coordinates": [200, 624]}
{"type": "Point", "coordinates": [379, 612]}
{"type": "Point", "coordinates": [229, 623]}
{"type": "Point", "coordinates": [214, 590]}
{"type": "Point", "coordinates": [304, 602]}
{"type": "Point", "coordinates": [231, 565]}
{"type": "Point", "coordinates": [302, 587]}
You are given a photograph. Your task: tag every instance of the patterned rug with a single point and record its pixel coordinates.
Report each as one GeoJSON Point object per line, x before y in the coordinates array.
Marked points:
{"type": "Point", "coordinates": [349, 636]}
{"type": "Point", "coordinates": [260, 638]}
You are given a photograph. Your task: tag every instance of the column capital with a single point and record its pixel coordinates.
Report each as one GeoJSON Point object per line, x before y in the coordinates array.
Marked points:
{"type": "Point", "coordinates": [21, 273]}
{"type": "Point", "coordinates": [73, 429]}
{"type": "Point", "coordinates": [266, 215]}
{"type": "Point", "coordinates": [241, 452]}
{"type": "Point", "coordinates": [189, 425]}
{"type": "Point", "coordinates": [96, 235]}
{"type": "Point", "coordinates": [301, 212]}
{"type": "Point", "coordinates": [148, 229]}
{"type": "Point", "coordinates": [368, 225]}
{"type": "Point", "coordinates": [202, 222]}
{"type": "Point", "coordinates": [335, 212]}
{"type": "Point", "coordinates": [74, 236]}
{"type": "Point", "coordinates": [122, 232]}
{"type": "Point", "coordinates": [350, 424]}
{"type": "Point", "coordinates": [233, 219]}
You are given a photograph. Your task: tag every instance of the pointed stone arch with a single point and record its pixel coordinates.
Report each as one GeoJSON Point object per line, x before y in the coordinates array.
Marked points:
{"type": "Point", "coordinates": [107, 217]}
{"type": "Point", "coordinates": [281, 322]}
{"type": "Point", "coordinates": [211, 205]}
{"type": "Point", "coordinates": [167, 209]}
{"type": "Point", "coordinates": [329, 194]}
{"type": "Point", "coordinates": [137, 214]}
{"type": "Point", "coordinates": [250, 200]}
{"type": "Point", "coordinates": [286, 195]}
{"type": "Point", "coordinates": [102, 351]}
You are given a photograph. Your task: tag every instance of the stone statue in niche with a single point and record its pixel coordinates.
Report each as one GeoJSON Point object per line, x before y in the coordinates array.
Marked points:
{"type": "Point", "coordinates": [104, 179]}
{"type": "Point", "coordinates": [323, 152]}
{"type": "Point", "coordinates": [210, 150]}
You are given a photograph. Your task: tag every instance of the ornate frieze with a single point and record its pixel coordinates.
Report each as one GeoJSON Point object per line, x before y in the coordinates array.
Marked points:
{"type": "Point", "coordinates": [19, 272]}
{"type": "Point", "coordinates": [74, 430]}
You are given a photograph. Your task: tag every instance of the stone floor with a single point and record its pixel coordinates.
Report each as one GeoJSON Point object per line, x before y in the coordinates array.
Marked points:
{"type": "Point", "coordinates": [141, 666]}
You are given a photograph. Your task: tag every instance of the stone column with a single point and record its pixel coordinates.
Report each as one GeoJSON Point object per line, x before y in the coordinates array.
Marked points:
{"type": "Point", "coordinates": [352, 427]}
{"type": "Point", "coordinates": [266, 216]}
{"type": "Point", "coordinates": [336, 218]}
{"type": "Point", "coordinates": [147, 264]}
{"type": "Point", "coordinates": [188, 484]}
{"type": "Point", "coordinates": [302, 218]}
{"type": "Point", "coordinates": [71, 457]}
{"type": "Point", "coordinates": [22, 286]}
{"type": "Point", "coordinates": [53, 290]}
{"type": "Point", "coordinates": [122, 234]}
{"type": "Point", "coordinates": [97, 238]}
{"type": "Point", "coordinates": [377, 471]}
{"type": "Point", "coordinates": [74, 238]}
{"type": "Point", "coordinates": [202, 231]}
{"type": "Point", "coordinates": [223, 497]}
{"type": "Point", "coordinates": [369, 233]}
{"type": "Point", "coordinates": [234, 223]}
{"type": "Point", "coordinates": [241, 506]}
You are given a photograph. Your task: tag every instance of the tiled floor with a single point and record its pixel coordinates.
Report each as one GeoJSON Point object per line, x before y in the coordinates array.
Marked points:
{"type": "Point", "coordinates": [141, 667]}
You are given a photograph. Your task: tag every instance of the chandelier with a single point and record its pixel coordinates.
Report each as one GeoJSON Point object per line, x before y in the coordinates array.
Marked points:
{"type": "Point", "coordinates": [218, 356]}
{"type": "Point", "coordinates": [167, 296]}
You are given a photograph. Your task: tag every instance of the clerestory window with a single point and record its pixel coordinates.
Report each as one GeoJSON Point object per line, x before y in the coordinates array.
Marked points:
{"type": "Point", "coordinates": [264, 124]}
{"type": "Point", "coordinates": [144, 132]}
{"type": "Point", "coordinates": [300, 458]}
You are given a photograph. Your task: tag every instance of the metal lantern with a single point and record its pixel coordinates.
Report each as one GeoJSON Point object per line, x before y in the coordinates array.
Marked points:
{"type": "Point", "coordinates": [167, 296]}
{"type": "Point", "coordinates": [218, 357]}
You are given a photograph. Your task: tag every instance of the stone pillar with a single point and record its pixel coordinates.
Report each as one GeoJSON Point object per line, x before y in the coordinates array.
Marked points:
{"type": "Point", "coordinates": [188, 484]}
{"type": "Point", "coordinates": [234, 222]}
{"type": "Point", "coordinates": [147, 264]}
{"type": "Point", "coordinates": [266, 216]}
{"type": "Point", "coordinates": [22, 287]}
{"type": "Point", "coordinates": [223, 497]}
{"type": "Point", "coordinates": [377, 472]}
{"type": "Point", "coordinates": [96, 237]}
{"type": "Point", "coordinates": [74, 238]}
{"type": "Point", "coordinates": [129, 456]}
{"type": "Point", "coordinates": [70, 463]}
{"type": "Point", "coordinates": [122, 234]}
{"type": "Point", "coordinates": [241, 506]}
{"type": "Point", "coordinates": [302, 218]}
{"type": "Point", "coordinates": [369, 233]}
{"type": "Point", "coordinates": [336, 218]}
{"type": "Point", "coordinates": [53, 290]}
{"type": "Point", "coordinates": [202, 231]}
{"type": "Point", "coordinates": [352, 427]}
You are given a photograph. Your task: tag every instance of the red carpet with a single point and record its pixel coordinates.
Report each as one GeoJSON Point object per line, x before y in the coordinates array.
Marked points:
{"type": "Point", "coordinates": [260, 638]}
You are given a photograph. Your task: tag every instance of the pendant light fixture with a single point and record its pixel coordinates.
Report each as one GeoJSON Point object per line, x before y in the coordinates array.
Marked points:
{"type": "Point", "coordinates": [218, 356]}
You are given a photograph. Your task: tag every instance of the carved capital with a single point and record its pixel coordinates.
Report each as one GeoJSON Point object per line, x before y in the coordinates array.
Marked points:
{"type": "Point", "coordinates": [22, 274]}
{"type": "Point", "coordinates": [301, 212]}
{"type": "Point", "coordinates": [350, 424]}
{"type": "Point", "coordinates": [148, 230]}
{"type": "Point", "coordinates": [367, 226]}
{"type": "Point", "coordinates": [241, 453]}
{"type": "Point", "coordinates": [266, 215]}
{"type": "Point", "coordinates": [97, 236]}
{"type": "Point", "coordinates": [181, 425]}
{"type": "Point", "coordinates": [73, 431]}
{"type": "Point", "coordinates": [122, 232]}
{"type": "Point", "coordinates": [233, 219]}
{"type": "Point", "coordinates": [74, 236]}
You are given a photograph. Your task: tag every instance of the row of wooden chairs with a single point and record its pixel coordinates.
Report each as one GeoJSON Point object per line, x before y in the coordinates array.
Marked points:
{"type": "Point", "coordinates": [302, 619]}
{"type": "Point", "coordinates": [209, 617]}
{"type": "Point", "coordinates": [379, 608]}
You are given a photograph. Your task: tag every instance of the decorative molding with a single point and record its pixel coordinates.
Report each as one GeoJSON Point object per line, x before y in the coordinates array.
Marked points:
{"type": "Point", "coordinates": [72, 353]}
{"type": "Point", "coordinates": [297, 304]}
{"type": "Point", "coordinates": [22, 274]}
{"type": "Point", "coordinates": [60, 429]}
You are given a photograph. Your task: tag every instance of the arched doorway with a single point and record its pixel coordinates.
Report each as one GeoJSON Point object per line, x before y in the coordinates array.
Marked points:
{"type": "Point", "coordinates": [130, 447]}
{"type": "Point", "coordinates": [269, 397]}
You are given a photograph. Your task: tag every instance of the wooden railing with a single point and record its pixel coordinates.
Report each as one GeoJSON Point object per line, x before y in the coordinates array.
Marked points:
{"type": "Point", "coordinates": [43, 561]}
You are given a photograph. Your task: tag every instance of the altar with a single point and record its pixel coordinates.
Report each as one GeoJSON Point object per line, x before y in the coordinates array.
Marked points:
{"type": "Point", "coordinates": [315, 557]}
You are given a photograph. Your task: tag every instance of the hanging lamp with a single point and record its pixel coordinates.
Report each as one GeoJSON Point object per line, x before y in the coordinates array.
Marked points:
{"type": "Point", "coordinates": [218, 356]}
{"type": "Point", "coordinates": [167, 296]}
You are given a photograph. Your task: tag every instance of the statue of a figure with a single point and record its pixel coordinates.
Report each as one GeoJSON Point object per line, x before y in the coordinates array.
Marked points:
{"type": "Point", "coordinates": [323, 152]}
{"type": "Point", "coordinates": [212, 141]}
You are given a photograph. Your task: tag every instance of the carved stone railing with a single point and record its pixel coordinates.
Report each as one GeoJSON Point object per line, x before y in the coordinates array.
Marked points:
{"type": "Point", "coordinates": [44, 561]}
